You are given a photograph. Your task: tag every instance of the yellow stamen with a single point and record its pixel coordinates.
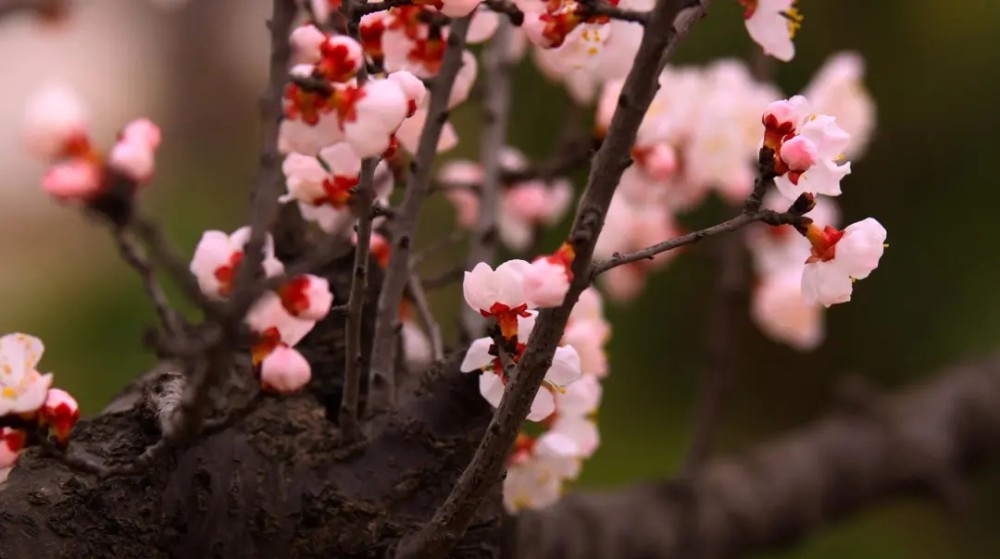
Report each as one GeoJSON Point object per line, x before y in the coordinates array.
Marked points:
{"type": "Point", "coordinates": [795, 19]}
{"type": "Point", "coordinates": [9, 392]}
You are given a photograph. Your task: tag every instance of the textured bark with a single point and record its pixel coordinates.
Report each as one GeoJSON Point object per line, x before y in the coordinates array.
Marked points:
{"type": "Point", "coordinates": [780, 492]}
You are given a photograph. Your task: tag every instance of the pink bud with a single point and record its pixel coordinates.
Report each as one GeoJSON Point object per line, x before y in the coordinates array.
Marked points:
{"type": "Point", "coordinates": [53, 120]}
{"type": "Point", "coordinates": [61, 412]}
{"type": "Point", "coordinates": [11, 443]}
{"type": "Point", "coordinates": [284, 371]}
{"type": "Point", "coordinates": [77, 179]}
{"type": "Point", "coordinates": [133, 157]}
{"type": "Point", "coordinates": [305, 41]}
{"type": "Point", "coordinates": [798, 153]}
{"type": "Point", "coordinates": [143, 132]}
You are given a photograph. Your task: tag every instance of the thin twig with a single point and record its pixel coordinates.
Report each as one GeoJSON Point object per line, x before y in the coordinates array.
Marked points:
{"type": "Point", "coordinates": [496, 120]}
{"type": "Point", "coordinates": [132, 254]}
{"type": "Point", "coordinates": [372, 7]}
{"type": "Point", "coordinates": [672, 19]}
{"type": "Point", "coordinates": [417, 294]}
{"type": "Point", "coordinates": [600, 8]}
{"type": "Point", "coordinates": [267, 187]}
{"type": "Point", "coordinates": [444, 243]}
{"type": "Point", "coordinates": [381, 378]}
{"type": "Point", "coordinates": [363, 199]}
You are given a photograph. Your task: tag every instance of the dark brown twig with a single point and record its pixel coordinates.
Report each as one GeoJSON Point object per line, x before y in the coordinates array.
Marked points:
{"type": "Point", "coordinates": [419, 298]}
{"type": "Point", "coordinates": [132, 254]}
{"type": "Point", "coordinates": [381, 378]}
{"type": "Point", "coordinates": [363, 199]}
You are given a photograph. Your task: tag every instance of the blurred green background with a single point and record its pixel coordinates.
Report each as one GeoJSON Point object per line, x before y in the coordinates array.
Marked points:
{"type": "Point", "coordinates": [933, 301]}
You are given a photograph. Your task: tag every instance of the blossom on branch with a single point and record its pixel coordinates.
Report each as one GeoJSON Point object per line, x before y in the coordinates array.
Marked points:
{"type": "Point", "coordinates": [498, 293]}
{"type": "Point", "coordinates": [60, 412]}
{"type": "Point", "coordinates": [808, 148]}
{"type": "Point", "coordinates": [282, 369]}
{"type": "Point", "coordinates": [839, 258]}
{"type": "Point", "coordinates": [23, 389]}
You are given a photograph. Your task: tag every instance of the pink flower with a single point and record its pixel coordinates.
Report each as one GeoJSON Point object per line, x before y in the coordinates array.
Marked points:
{"type": "Point", "coordinates": [330, 182]}
{"type": "Point", "coordinates": [378, 112]}
{"type": "Point", "coordinates": [297, 136]}
{"type": "Point", "coordinates": [217, 257]}
{"type": "Point", "coordinates": [535, 475]}
{"type": "Point", "coordinates": [812, 158]}
{"type": "Point", "coordinates": [412, 87]}
{"type": "Point", "coordinates": [284, 371]}
{"type": "Point", "coordinates": [778, 309]}
{"type": "Point", "coordinates": [307, 297]}
{"type": "Point", "coordinates": [61, 412]}
{"type": "Point", "coordinates": [22, 388]}
{"type": "Point", "coordinates": [77, 180]}
{"type": "Point", "coordinates": [274, 325]}
{"type": "Point", "coordinates": [778, 248]}
{"type": "Point", "coordinates": [839, 258]}
{"type": "Point", "coordinates": [772, 24]}
{"type": "Point", "coordinates": [55, 123]}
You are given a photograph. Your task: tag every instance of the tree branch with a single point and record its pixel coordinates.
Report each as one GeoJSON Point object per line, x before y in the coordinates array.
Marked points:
{"type": "Point", "coordinates": [419, 298]}
{"type": "Point", "coordinates": [363, 198]}
{"type": "Point", "coordinates": [674, 17]}
{"type": "Point", "coordinates": [782, 491]}
{"type": "Point", "coordinates": [381, 378]}
{"type": "Point", "coordinates": [169, 319]}
{"type": "Point", "coordinates": [496, 120]}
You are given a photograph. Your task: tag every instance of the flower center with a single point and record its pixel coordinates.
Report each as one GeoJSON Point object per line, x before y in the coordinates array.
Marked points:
{"type": "Point", "coordinates": [824, 243]}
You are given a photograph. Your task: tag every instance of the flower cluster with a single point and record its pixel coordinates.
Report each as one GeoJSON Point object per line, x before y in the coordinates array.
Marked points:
{"type": "Point", "coordinates": [524, 205]}
{"type": "Point", "coordinates": [279, 320]}
{"type": "Point", "coordinates": [28, 403]}
{"type": "Point", "coordinates": [568, 398]}
{"type": "Point", "coordinates": [56, 130]}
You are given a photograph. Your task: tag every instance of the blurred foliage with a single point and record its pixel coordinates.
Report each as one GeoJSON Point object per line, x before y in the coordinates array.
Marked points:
{"type": "Point", "coordinates": [932, 302]}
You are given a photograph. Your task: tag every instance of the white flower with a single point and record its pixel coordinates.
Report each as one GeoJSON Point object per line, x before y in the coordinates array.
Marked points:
{"type": "Point", "coordinates": [217, 257]}
{"type": "Point", "coordinates": [839, 258]}
{"type": "Point", "coordinates": [545, 283]}
{"type": "Point", "coordinates": [772, 24]}
{"type": "Point", "coordinates": [375, 116]}
{"type": "Point", "coordinates": [779, 248]}
{"type": "Point", "coordinates": [498, 293]}
{"type": "Point", "coordinates": [778, 309]}
{"type": "Point", "coordinates": [22, 388]}
{"type": "Point", "coordinates": [534, 479]}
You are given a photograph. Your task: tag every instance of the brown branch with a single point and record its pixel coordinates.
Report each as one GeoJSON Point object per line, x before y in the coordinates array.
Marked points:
{"type": "Point", "coordinates": [674, 18]}
{"type": "Point", "coordinates": [267, 187]}
{"type": "Point", "coordinates": [372, 7]}
{"type": "Point", "coordinates": [381, 378]}
{"type": "Point", "coordinates": [496, 120]}
{"type": "Point", "coordinates": [42, 8]}
{"type": "Point", "coordinates": [599, 8]}
{"type": "Point", "coordinates": [170, 320]}
{"type": "Point", "coordinates": [782, 491]}
{"type": "Point", "coordinates": [354, 358]}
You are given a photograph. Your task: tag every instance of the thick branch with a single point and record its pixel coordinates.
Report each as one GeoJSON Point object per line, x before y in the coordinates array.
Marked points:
{"type": "Point", "coordinates": [381, 378]}
{"type": "Point", "coordinates": [780, 492]}
{"type": "Point", "coordinates": [612, 158]}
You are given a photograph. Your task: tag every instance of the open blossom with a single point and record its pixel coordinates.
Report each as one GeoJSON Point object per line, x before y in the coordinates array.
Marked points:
{"type": "Point", "coordinates": [772, 24]}
{"type": "Point", "coordinates": [808, 148]}
{"type": "Point", "coordinates": [537, 470]}
{"type": "Point", "coordinates": [55, 124]}
{"type": "Point", "coordinates": [582, 54]}
{"type": "Point", "coordinates": [498, 293]}
{"type": "Point", "coordinates": [839, 258]}
{"type": "Point", "coordinates": [23, 389]}
{"type": "Point", "coordinates": [218, 256]}
{"type": "Point", "coordinates": [483, 356]}
{"type": "Point", "coordinates": [588, 332]}
{"type": "Point", "coordinates": [838, 90]}
{"type": "Point", "coordinates": [779, 310]}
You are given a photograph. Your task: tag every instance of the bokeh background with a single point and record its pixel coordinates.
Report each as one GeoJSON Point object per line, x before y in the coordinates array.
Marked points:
{"type": "Point", "coordinates": [926, 177]}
